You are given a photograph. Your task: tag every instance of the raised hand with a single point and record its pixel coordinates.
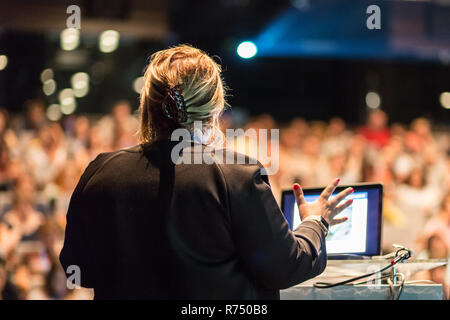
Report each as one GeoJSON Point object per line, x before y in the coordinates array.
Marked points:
{"type": "Point", "coordinates": [324, 207]}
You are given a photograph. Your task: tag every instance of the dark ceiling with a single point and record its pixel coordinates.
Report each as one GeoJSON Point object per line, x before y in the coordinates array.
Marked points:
{"type": "Point", "coordinates": [314, 87]}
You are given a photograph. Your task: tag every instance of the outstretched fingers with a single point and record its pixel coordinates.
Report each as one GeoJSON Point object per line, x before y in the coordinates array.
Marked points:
{"type": "Point", "coordinates": [337, 221]}
{"type": "Point", "coordinates": [344, 205]}
{"type": "Point", "coordinates": [339, 209]}
{"type": "Point", "coordinates": [330, 189]}
{"type": "Point", "coordinates": [298, 193]}
{"type": "Point", "coordinates": [341, 196]}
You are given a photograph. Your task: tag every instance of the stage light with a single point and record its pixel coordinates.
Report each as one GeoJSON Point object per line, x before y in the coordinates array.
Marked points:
{"type": "Point", "coordinates": [69, 108]}
{"type": "Point", "coordinates": [54, 112]}
{"type": "Point", "coordinates": [247, 50]}
{"type": "Point", "coordinates": [67, 101]}
{"type": "Point", "coordinates": [3, 62]}
{"type": "Point", "coordinates": [49, 87]}
{"type": "Point", "coordinates": [80, 93]}
{"type": "Point", "coordinates": [444, 99]}
{"type": "Point", "coordinates": [69, 39]}
{"type": "Point", "coordinates": [138, 84]}
{"type": "Point", "coordinates": [66, 96]}
{"type": "Point", "coordinates": [373, 100]}
{"type": "Point", "coordinates": [46, 74]}
{"type": "Point", "coordinates": [109, 41]}
{"type": "Point", "coordinates": [80, 84]}
{"type": "Point", "coordinates": [79, 80]}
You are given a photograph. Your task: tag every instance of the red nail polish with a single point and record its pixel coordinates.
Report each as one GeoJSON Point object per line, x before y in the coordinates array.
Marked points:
{"type": "Point", "coordinates": [346, 218]}
{"type": "Point", "coordinates": [353, 190]}
{"type": "Point", "coordinates": [296, 187]}
{"type": "Point", "coordinates": [338, 180]}
{"type": "Point", "coordinates": [351, 200]}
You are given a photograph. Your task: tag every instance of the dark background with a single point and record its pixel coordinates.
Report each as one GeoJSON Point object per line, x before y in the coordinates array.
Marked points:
{"type": "Point", "coordinates": [289, 83]}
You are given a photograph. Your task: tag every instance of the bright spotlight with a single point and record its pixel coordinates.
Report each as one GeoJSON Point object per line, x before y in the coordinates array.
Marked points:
{"type": "Point", "coordinates": [247, 50]}
{"type": "Point", "coordinates": [444, 99]}
{"type": "Point", "coordinates": [373, 100]}
{"type": "Point", "coordinates": [49, 87]}
{"type": "Point", "coordinates": [109, 41]}
{"type": "Point", "coordinates": [46, 74]}
{"type": "Point", "coordinates": [79, 80]}
{"type": "Point", "coordinates": [81, 92]}
{"type": "Point", "coordinates": [69, 39]}
{"type": "Point", "coordinates": [54, 112]}
{"type": "Point", "coordinates": [69, 108]}
{"type": "Point", "coordinates": [3, 62]}
{"type": "Point", "coordinates": [67, 101]}
{"type": "Point", "coordinates": [138, 84]}
{"type": "Point", "coordinates": [80, 84]}
{"type": "Point", "coordinates": [66, 96]}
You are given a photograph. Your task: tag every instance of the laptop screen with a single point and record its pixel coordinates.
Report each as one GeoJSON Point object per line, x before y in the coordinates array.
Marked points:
{"type": "Point", "coordinates": [360, 234]}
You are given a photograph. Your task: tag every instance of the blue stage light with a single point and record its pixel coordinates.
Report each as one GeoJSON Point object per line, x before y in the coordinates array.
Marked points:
{"type": "Point", "coordinates": [247, 49]}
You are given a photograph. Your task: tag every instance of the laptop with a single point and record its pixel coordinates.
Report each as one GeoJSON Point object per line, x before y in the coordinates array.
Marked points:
{"type": "Point", "coordinates": [357, 238]}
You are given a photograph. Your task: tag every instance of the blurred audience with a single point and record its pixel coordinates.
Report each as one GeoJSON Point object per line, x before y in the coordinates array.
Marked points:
{"type": "Point", "coordinates": [41, 161]}
{"type": "Point", "coordinates": [376, 131]}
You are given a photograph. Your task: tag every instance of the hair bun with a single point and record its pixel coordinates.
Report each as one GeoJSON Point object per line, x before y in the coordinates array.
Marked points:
{"type": "Point", "coordinates": [174, 106]}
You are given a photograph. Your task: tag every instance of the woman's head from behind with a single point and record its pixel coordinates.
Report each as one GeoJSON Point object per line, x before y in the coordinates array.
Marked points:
{"type": "Point", "coordinates": [198, 78]}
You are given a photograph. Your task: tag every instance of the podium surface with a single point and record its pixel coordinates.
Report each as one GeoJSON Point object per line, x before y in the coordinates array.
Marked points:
{"type": "Point", "coordinates": [363, 292]}
{"type": "Point", "coordinates": [338, 270]}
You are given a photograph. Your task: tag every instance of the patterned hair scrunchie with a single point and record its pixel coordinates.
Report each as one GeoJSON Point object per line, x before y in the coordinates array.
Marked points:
{"type": "Point", "coordinates": [174, 106]}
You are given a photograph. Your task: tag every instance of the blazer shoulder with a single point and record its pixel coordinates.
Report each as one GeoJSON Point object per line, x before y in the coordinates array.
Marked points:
{"type": "Point", "coordinates": [99, 162]}
{"type": "Point", "coordinates": [104, 157]}
{"type": "Point", "coordinates": [241, 168]}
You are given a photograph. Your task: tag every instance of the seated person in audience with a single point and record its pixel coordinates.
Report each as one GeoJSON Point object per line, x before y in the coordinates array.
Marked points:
{"type": "Point", "coordinates": [440, 224]}
{"type": "Point", "coordinates": [376, 130]}
{"type": "Point", "coordinates": [23, 217]}
{"type": "Point", "coordinates": [8, 291]}
{"type": "Point", "coordinates": [419, 136]}
{"type": "Point", "coordinates": [437, 249]}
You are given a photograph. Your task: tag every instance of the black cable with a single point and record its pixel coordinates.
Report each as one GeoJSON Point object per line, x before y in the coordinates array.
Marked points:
{"type": "Point", "coordinates": [402, 284]}
{"type": "Point", "coordinates": [391, 287]}
{"type": "Point", "coordinates": [373, 279]}
{"type": "Point", "coordinates": [391, 290]}
{"type": "Point", "coordinates": [400, 255]}
{"type": "Point", "coordinates": [323, 285]}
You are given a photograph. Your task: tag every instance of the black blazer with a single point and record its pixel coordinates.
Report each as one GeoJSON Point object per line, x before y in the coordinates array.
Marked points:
{"type": "Point", "coordinates": [140, 227]}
